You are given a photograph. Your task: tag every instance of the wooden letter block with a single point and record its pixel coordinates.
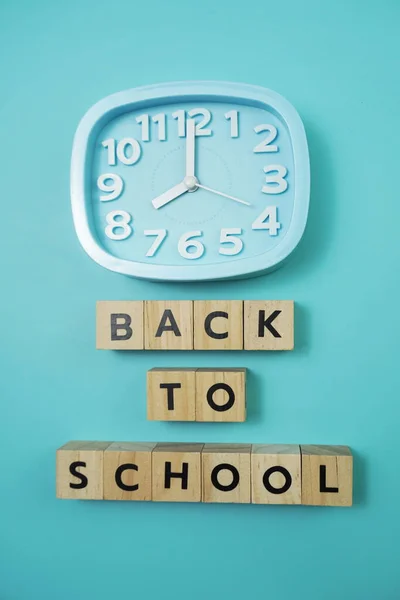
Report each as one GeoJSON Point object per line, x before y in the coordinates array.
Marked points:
{"type": "Point", "coordinates": [218, 325]}
{"type": "Point", "coordinates": [171, 395]}
{"type": "Point", "coordinates": [276, 474]}
{"type": "Point", "coordinates": [268, 325]}
{"type": "Point", "coordinates": [226, 473]}
{"type": "Point", "coordinates": [79, 467]}
{"type": "Point", "coordinates": [327, 475]}
{"type": "Point", "coordinates": [169, 325]}
{"type": "Point", "coordinates": [221, 395]}
{"type": "Point", "coordinates": [177, 472]}
{"type": "Point", "coordinates": [119, 325]}
{"type": "Point", "coordinates": [127, 471]}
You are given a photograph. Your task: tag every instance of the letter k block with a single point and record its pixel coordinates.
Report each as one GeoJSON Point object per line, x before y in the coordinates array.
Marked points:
{"type": "Point", "coordinates": [268, 325]}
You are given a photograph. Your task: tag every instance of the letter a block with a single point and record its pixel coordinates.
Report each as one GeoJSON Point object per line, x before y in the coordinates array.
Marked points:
{"type": "Point", "coordinates": [226, 473]}
{"type": "Point", "coordinates": [171, 395]}
{"type": "Point", "coordinates": [119, 325]}
{"type": "Point", "coordinates": [169, 325]}
{"type": "Point", "coordinates": [276, 474]}
{"type": "Point", "coordinates": [79, 467]}
{"type": "Point", "coordinates": [127, 471]}
{"type": "Point", "coordinates": [268, 325]}
{"type": "Point", "coordinates": [327, 475]}
{"type": "Point", "coordinates": [177, 472]}
{"type": "Point", "coordinates": [218, 325]}
{"type": "Point", "coordinates": [221, 395]}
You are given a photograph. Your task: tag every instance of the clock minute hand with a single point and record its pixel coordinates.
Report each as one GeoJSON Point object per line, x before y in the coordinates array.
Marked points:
{"type": "Point", "coordinates": [190, 147]}
{"type": "Point", "coordinates": [224, 195]}
{"type": "Point", "coordinates": [170, 195]}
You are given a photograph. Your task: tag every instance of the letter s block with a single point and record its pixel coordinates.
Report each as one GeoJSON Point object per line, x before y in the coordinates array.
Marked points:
{"type": "Point", "coordinates": [268, 324]}
{"type": "Point", "coordinates": [226, 473]}
{"type": "Point", "coordinates": [218, 325]}
{"type": "Point", "coordinates": [327, 475]}
{"type": "Point", "coordinates": [127, 471]}
{"type": "Point", "coordinates": [79, 470]}
{"type": "Point", "coordinates": [276, 474]}
{"type": "Point", "coordinates": [119, 325]}
{"type": "Point", "coordinates": [176, 472]}
{"type": "Point", "coordinates": [221, 395]}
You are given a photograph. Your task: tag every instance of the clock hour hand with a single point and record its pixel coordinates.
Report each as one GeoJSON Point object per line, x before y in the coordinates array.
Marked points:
{"type": "Point", "coordinates": [190, 147]}
{"type": "Point", "coordinates": [224, 195]}
{"type": "Point", "coordinates": [169, 195]}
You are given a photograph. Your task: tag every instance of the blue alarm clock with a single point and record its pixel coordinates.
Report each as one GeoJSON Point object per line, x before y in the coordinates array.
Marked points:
{"type": "Point", "coordinates": [190, 181]}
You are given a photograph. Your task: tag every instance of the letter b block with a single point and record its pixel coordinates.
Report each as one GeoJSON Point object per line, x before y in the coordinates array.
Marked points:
{"type": "Point", "coordinates": [119, 325]}
{"type": "Point", "coordinates": [268, 325]}
{"type": "Point", "coordinates": [176, 472]}
{"type": "Point", "coordinates": [79, 467]}
{"type": "Point", "coordinates": [327, 475]}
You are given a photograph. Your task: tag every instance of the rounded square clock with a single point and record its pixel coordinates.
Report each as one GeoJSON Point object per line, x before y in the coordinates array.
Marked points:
{"type": "Point", "coordinates": [190, 181]}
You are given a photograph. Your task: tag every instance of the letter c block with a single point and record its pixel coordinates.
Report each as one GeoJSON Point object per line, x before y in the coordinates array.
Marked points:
{"type": "Point", "coordinates": [127, 471]}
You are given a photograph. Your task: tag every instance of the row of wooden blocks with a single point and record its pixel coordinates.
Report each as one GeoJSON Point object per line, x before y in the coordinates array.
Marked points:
{"type": "Point", "coordinates": [195, 325]}
{"type": "Point", "coordinates": [181, 394]}
{"type": "Point", "coordinates": [178, 472]}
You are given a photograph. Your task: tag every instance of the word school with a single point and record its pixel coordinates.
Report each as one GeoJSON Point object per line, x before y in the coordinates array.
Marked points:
{"type": "Point", "coordinates": [195, 325]}
{"type": "Point", "coordinates": [177, 472]}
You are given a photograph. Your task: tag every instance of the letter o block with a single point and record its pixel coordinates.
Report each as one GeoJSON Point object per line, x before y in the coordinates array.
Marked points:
{"type": "Point", "coordinates": [226, 473]}
{"type": "Point", "coordinates": [276, 474]}
{"type": "Point", "coordinates": [221, 395]}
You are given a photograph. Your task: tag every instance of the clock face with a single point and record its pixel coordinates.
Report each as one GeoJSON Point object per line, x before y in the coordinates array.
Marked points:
{"type": "Point", "coordinates": [190, 181]}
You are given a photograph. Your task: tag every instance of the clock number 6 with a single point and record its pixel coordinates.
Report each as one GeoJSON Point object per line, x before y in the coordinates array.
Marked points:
{"type": "Point", "coordinates": [186, 242]}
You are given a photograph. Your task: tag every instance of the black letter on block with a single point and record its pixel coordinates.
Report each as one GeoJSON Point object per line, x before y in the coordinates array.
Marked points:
{"type": "Point", "coordinates": [207, 325]}
{"type": "Point", "coordinates": [170, 387]}
{"type": "Point", "coordinates": [118, 477]}
{"type": "Point", "coordinates": [231, 397]}
{"type": "Point", "coordinates": [266, 323]}
{"type": "Point", "coordinates": [217, 484]}
{"type": "Point", "coordinates": [169, 475]}
{"type": "Point", "coordinates": [164, 327]}
{"type": "Point", "coordinates": [286, 485]}
{"type": "Point", "coordinates": [84, 481]}
{"type": "Point", "coordinates": [115, 327]}
{"type": "Point", "coordinates": [322, 481]}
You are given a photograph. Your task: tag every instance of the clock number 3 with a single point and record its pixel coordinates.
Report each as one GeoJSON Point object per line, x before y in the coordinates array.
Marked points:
{"type": "Point", "coordinates": [114, 225]}
{"type": "Point", "coordinates": [275, 179]}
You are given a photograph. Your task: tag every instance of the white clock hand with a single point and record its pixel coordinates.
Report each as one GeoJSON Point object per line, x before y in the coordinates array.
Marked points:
{"type": "Point", "coordinates": [224, 195]}
{"type": "Point", "coordinates": [169, 195]}
{"type": "Point", "coordinates": [190, 147]}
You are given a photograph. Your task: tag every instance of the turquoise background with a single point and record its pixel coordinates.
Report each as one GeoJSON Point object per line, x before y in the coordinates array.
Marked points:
{"type": "Point", "coordinates": [337, 62]}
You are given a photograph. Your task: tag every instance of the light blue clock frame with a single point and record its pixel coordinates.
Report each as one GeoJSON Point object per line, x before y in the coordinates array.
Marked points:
{"type": "Point", "coordinates": [207, 91]}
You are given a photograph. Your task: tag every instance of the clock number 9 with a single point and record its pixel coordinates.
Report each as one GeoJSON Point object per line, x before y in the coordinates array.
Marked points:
{"type": "Point", "coordinates": [113, 189]}
{"type": "Point", "coordinates": [120, 151]}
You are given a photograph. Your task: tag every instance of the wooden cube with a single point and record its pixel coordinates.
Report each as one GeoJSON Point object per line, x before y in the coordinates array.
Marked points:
{"type": "Point", "coordinates": [276, 474]}
{"type": "Point", "coordinates": [169, 325]}
{"type": "Point", "coordinates": [218, 325]}
{"type": "Point", "coordinates": [327, 475]}
{"type": "Point", "coordinates": [226, 473]}
{"type": "Point", "coordinates": [119, 325]}
{"type": "Point", "coordinates": [127, 471]}
{"type": "Point", "coordinates": [221, 395]}
{"type": "Point", "coordinates": [176, 472]}
{"type": "Point", "coordinates": [79, 470]}
{"type": "Point", "coordinates": [171, 394]}
{"type": "Point", "coordinates": [268, 325]}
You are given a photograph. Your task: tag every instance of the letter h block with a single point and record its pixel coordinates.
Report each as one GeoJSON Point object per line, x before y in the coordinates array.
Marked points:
{"type": "Point", "coordinates": [176, 472]}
